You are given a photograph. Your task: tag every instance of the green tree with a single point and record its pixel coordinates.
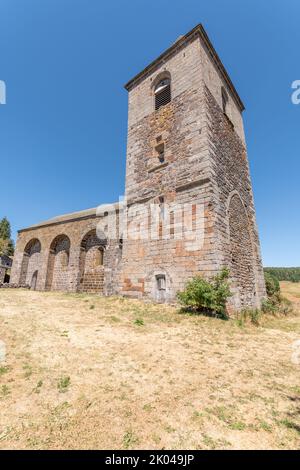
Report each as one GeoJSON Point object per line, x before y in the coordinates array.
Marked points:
{"type": "Point", "coordinates": [285, 274]}
{"type": "Point", "coordinates": [6, 243]}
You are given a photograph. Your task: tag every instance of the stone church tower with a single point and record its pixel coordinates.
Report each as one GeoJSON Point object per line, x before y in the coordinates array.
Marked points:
{"type": "Point", "coordinates": [189, 205]}
{"type": "Point", "coordinates": [186, 146]}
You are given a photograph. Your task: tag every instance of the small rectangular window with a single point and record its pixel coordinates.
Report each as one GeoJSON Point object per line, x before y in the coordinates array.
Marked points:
{"type": "Point", "coordinates": [161, 282]}
{"type": "Point", "coordinates": [162, 206]}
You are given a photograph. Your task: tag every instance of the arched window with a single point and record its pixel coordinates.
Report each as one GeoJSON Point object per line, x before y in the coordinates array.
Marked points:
{"type": "Point", "coordinates": [99, 256]}
{"type": "Point", "coordinates": [58, 262]}
{"type": "Point", "coordinates": [64, 259]}
{"type": "Point", "coordinates": [162, 93]}
{"type": "Point", "coordinates": [30, 261]}
{"type": "Point", "coordinates": [92, 261]}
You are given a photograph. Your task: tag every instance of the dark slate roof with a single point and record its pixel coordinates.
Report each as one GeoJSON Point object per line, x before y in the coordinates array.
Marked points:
{"type": "Point", "coordinates": [73, 216]}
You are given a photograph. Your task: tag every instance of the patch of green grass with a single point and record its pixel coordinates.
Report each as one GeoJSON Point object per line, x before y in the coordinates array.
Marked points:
{"type": "Point", "coordinates": [265, 426]}
{"type": "Point", "coordinates": [169, 429]}
{"type": "Point", "coordinates": [197, 415]}
{"type": "Point", "coordinates": [248, 315]}
{"type": "Point", "coordinates": [129, 439]}
{"type": "Point", "coordinates": [209, 442]}
{"type": "Point", "coordinates": [5, 433]}
{"type": "Point", "coordinates": [27, 371]}
{"type": "Point", "coordinates": [63, 384]}
{"type": "Point", "coordinates": [240, 322]}
{"type": "Point", "coordinates": [92, 307]}
{"type": "Point", "coordinates": [37, 389]}
{"type": "Point", "coordinates": [147, 407]}
{"type": "Point", "coordinates": [59, 410]}
{"type": "Point", "coordinates": [156, 438]}
{"type": "Point", "coordinates": [237, 426]}
{"type": "Point", "coordinates": [212, 444]}
{"type": "Point", "coordinates": [139, 322]}
{"type": "Point", "coordinates": [218, 411]}
{"type": "Point", "coordinates": [5, 390]}
{"type": "Point", "coordinates": [4, 370]}
{"type": "Point", "coordinates": [290, 425]}
{"type": "Point", "coordinates": [226, 415]}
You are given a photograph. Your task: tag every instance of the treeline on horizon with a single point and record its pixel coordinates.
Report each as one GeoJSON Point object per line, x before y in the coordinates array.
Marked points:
{"type": "Point", "coordinates": [285, 274]}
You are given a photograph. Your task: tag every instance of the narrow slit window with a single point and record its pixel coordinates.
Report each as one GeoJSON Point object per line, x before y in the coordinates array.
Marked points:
{"type": "Point", "coordinates": [99, 257]}
{"type": "Point", "coordinates": [162, 93]}
{"type": "Point", "coordinates": [161, 282]}
{"type": "Point", "coordinates": [160, 151]}
{"type": "Point", "coordinates": [161, 200]}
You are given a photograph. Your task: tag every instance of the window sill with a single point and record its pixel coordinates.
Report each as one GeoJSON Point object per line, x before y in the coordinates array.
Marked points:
{"type": "Point", "coordinates": [158, 167]}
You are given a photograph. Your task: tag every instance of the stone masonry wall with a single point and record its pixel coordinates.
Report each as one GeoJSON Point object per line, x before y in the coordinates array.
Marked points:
{"type": "Point", "coordinates": [233, 207]}
{"type": "Point", "coordinates": [206, 165]}
{"type": "Point", "coordinates": [92, 264]}
{"type": "Point", "coordinates": [58, 264]}
{"type": "Point", "coordinates": [30, 261]}
{"type": "Point", "coordinates": [2, 274]}
{"type": "Point", "coordinates": [183, 178]}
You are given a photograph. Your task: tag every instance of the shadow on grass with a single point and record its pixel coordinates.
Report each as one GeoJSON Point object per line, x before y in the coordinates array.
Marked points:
{"type": "Point", "coordinates": [293, 415]}
{"type": "Point", "coordinates": [203, 312]}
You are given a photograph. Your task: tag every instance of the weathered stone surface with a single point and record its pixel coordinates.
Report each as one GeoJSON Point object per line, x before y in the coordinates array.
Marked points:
{"type": "Point", "coordinates": [65, 255]}
{"type": "Point", "coordinates": [5, 265]}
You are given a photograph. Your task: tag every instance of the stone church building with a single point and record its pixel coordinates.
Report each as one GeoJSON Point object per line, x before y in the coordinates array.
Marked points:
{"type": "Point", "coordinates": [186, 148]}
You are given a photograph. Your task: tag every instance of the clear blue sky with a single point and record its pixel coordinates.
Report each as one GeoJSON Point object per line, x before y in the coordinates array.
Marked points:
{"type": "Point", "coordinates": [63, 129]}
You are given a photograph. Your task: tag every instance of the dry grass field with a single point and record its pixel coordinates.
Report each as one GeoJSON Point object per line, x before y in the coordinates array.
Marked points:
{"type": "Point", "coordinates": [82, 371]}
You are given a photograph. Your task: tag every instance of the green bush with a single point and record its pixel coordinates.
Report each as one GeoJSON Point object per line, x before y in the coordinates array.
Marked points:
{"type": "Point", "coordinates": [275, 302]}
{"type": "Point", "coordinates": [286, 307]}
{"type": "Point", "coordinates": [269, 306]}
{"type": "Point", "coordinates": [278, 305]}
{"type": "Point", "coordinates": [207, 296]}
{"type": "Point", "coordinates": [272, 302]}
{"type": "Point", "coordinates": [272, 285]}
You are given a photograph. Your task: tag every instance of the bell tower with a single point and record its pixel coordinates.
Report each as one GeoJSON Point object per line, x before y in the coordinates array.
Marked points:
{"type": "Point", "coordinates": [186, 149]}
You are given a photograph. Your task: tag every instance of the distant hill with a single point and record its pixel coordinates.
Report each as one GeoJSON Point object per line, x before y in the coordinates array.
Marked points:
{"type": "Point", "coordinates": [285, 274]}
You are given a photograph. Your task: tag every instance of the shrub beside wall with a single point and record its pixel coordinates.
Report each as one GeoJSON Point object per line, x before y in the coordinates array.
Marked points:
{"type": "Point", "coordinates": [275, 302]}
{"type": "Point", "coordinates": [207, 296]}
